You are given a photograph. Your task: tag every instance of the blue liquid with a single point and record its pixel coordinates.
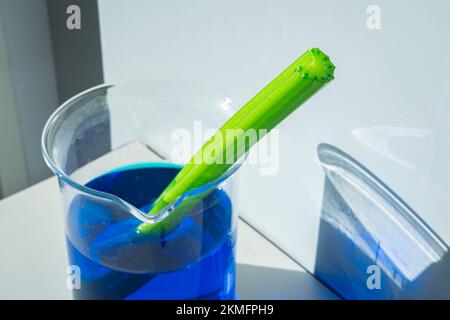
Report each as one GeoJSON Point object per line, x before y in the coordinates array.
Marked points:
{"type": "Point", "coordinates": [196, 261]}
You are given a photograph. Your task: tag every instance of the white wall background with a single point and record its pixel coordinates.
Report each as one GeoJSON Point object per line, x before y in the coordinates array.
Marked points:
{"type": "Point", "coordinates": [388, 107]}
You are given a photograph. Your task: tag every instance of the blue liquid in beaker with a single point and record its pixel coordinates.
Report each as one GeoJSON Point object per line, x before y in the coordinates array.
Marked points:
{"type": "Point", "coordinates": [196, 261]}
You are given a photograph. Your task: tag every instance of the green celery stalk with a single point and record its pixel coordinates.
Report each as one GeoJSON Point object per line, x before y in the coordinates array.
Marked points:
{"type": "Point", "coordinates": [283, 95]}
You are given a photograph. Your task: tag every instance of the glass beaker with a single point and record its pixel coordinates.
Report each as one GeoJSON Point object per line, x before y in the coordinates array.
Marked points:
{"type": "Point", "coordinates": [114, 148]}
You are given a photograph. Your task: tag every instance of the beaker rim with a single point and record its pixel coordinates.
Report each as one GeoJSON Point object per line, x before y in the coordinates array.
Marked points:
{"type": "Point", "coordinates": [144, 217]}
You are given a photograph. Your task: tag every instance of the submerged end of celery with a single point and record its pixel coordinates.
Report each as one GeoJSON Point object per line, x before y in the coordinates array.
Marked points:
{"type": "Point", "coordinates": [316, 65]}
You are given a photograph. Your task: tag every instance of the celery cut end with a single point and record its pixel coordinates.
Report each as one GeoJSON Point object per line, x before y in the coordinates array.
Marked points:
{"type": "Point", "coordinates": [316, 65]}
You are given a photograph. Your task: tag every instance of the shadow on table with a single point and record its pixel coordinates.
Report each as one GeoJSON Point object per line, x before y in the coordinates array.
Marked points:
{"type": "Point", "coordinates": [372, 245]}
{"type": "Point", "coordinates": [256, 282]}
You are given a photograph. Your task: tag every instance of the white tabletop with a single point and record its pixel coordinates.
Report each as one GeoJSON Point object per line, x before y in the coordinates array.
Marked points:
{"type": "Point", "coordinates": [33, 254]}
